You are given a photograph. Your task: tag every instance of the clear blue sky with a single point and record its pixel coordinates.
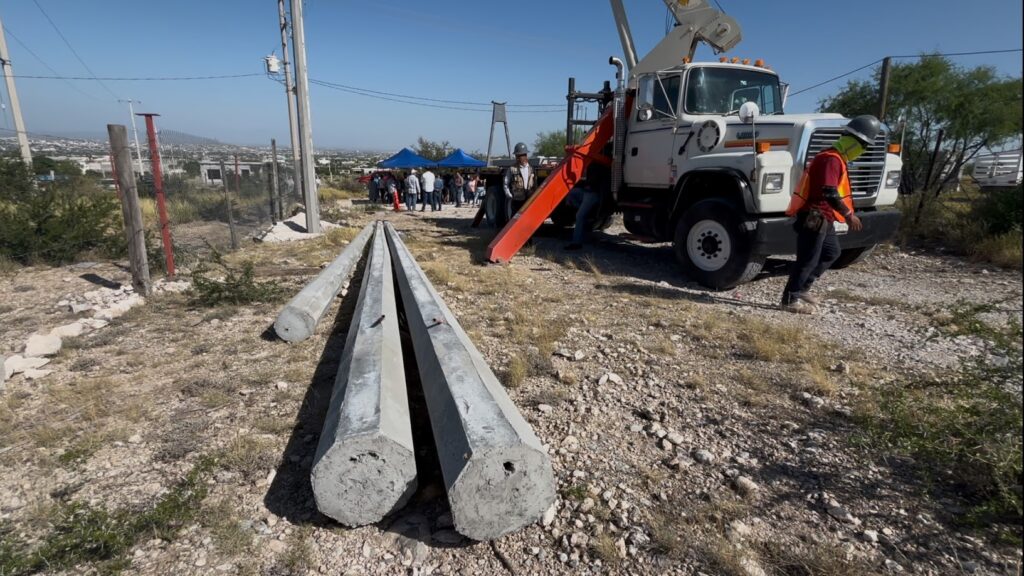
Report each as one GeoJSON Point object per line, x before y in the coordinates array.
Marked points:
{"type": "Point", "coordinates": [521, 52]}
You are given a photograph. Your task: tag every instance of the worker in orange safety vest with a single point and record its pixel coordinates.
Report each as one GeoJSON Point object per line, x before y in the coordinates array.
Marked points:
{"type": "Point", "coordinates": [822, 198]}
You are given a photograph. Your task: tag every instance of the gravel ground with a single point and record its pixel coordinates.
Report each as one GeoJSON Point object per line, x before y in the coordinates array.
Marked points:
{"type": "Point", "coordinates": [684, 438]}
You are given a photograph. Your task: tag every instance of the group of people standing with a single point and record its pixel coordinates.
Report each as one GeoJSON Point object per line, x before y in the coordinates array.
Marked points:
{"type": "Point", "coordinates": [426, 189]}
{"type": "Point", "coordinates": [435, 190]}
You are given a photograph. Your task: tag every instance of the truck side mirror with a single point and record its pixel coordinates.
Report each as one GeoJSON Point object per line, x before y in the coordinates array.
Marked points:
{"type": "Point", "coordinates": [749, 112]}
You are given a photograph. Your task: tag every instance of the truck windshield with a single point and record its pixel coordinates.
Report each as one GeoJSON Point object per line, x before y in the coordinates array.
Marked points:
{"type": "Point", "coordinates": [713, 90]}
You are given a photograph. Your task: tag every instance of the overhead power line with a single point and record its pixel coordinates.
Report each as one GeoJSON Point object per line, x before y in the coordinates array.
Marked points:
{"type": "Point", "coordinates": [902, 57]}
{"type": "Point", "coordinates": [14, 37]}
{"type": "Point", "coordinates": [439, 100]}
{"type": "Point", "coordinates": [72, 49]}
{"type": "Point", "coordinates": [834, 78]}
{"type": "Point", "coordinates": [140, 78]}
{"type": "Point", "coordinates": [379, 96]}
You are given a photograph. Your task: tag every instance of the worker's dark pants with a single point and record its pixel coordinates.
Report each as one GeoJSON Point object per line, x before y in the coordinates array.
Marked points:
{"type": "Point", "coordinates": [815, 253]}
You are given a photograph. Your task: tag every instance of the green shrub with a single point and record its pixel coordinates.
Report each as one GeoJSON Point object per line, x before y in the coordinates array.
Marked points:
{"type": "Point", "coordinates": [1001, 211]}
{"type": "Point", "coordinates": [55, 223]}
{"type": "Point", "coordinates": [964, 431]}
{"type": "Point", "coordinates": [85, 534]}
{"type": "Point", "coordinates": [235, 286]}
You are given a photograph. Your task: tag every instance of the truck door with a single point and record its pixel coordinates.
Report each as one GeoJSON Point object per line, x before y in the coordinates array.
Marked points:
{"type": "Point", "coordinates": [649, 153]}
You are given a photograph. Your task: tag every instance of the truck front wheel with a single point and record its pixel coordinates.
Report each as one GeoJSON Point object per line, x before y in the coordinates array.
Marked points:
{"type": "Point", "coordinates": [713, 247]}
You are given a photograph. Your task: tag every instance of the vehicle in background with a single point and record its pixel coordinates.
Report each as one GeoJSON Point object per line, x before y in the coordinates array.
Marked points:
{"type": "Point", "coordinates": [998, 170]}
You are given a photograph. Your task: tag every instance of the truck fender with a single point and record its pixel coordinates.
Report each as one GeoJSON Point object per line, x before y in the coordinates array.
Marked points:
{"type": "Point", "coordinates": [738, 191]}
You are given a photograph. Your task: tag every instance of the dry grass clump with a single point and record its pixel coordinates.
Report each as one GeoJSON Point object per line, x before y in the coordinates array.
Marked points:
{"type": "Point", "coordinates": [514, 376]}
{"type": "Point", "coordinates": [249, 456]}
{"type": "Point", "coordinates": [603, 546]}
{"type": "Point", "coordinates": [224, 525]}
{"type": "Point", "coordinates": [814, 379]}
{"type": "Point", "coordinates": [660, 345]}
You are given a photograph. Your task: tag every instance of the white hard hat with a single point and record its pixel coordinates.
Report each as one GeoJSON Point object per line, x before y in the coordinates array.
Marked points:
{"type": "Point", "coordinates": [413, 170]}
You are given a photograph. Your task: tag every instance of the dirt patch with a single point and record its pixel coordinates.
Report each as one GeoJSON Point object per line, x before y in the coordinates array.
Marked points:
{"type": "Point", "coordinates": [689, 431]}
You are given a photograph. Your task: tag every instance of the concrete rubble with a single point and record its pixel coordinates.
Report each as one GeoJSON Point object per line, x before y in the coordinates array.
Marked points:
{"type": "Point", "coordinates": [365, 465]}
{"type": "Point", "coordinates": [292, 229]}
{"type": "Point", "coordinates": [105, 304]}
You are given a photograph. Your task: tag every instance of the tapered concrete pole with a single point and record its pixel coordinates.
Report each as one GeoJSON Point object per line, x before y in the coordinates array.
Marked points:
{"type": "Point", "coordinates": [365, 465]}
{"type": "Point", "coordinates": [299, 317]}
{"type": "Point", "coordinates": [497, 473]}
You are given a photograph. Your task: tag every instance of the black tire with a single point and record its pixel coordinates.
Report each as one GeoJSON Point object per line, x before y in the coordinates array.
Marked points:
{"type": "Point", "coordinates": [720, 257]}
{"type": "Point", "coordinates": [851, 256]}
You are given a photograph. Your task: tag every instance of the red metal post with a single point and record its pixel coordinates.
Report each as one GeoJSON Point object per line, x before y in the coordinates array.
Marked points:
{"type": "Point", "coordinates": [158, 185]}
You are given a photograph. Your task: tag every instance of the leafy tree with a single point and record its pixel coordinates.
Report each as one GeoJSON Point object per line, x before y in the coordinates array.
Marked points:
{"type": "Point", "coordinates": [972, 109]}
{"type": "Point", "coordinates": [191, 168]}
{"type": "Point", "coordinates": [550, 143]}
{"type": "Point", "coordinates": [15, 179]}
{"type": "Point", "coordinates": [42, 165]}
{"type": "Point", "coordinates": [432, 150]}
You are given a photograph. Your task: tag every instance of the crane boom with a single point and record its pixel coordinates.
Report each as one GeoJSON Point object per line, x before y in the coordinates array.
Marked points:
{"type": "Point", "coordinates": [696, 22]}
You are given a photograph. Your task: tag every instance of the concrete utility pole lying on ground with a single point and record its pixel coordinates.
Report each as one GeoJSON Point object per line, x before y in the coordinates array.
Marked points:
{"type": "Point", "coordinates": [497, 473]}
{"type": "Point", "coordinates": [365, 464]}
{"type": "Point", "coordinates": [299, 317]}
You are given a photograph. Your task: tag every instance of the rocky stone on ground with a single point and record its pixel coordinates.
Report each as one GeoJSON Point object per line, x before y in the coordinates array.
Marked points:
{"type": "Point", "coordinates": [40, 345]}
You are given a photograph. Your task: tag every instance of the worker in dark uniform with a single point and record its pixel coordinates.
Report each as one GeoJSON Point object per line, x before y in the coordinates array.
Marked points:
{"type": "Point", "coordinates": [519, 182]}
{"type": "Point", "coordinates": [823, 197]}
{"type": "Point", "coordinates": [588, 195]}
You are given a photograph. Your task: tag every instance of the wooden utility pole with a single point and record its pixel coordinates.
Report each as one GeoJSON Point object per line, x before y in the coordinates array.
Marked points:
{"type": "Point", "coordinates": [227, 206]}
{"type": "Point", "coordinates": [883, 87]}
{"type": "Point", "coordinates": [133, 229]}
{"type": "Point", "coordinates": [277, 211]}
{"type": "Point", "coordinates": [19, 122]}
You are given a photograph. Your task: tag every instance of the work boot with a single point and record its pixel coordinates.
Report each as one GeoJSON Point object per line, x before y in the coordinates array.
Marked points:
{"type": "Point", "coordinates": [810, 299]}
{"type": "Point", "coordinates": [799, 307]}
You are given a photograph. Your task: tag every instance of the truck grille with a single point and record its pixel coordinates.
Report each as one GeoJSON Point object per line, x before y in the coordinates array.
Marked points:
{"type": "Point", "coordinates": [865, 172]}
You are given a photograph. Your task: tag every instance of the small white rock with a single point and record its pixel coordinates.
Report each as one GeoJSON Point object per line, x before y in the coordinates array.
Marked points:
{"type": "Point", "coordinates": [870, 536]}
{"type": "Point", "coordinates": [704, 456]}
{"type": "Point", "coordinates": [549, 516]}
{"type": "Point", "coordinates": [68, 330]}
{"type": "Point", "coordinates": [135, 439]}
{"type": "Point", "coordinates": [39, 345]}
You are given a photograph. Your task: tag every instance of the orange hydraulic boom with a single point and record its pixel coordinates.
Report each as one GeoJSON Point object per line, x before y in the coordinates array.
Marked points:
{"type": "Point", "coordinates": [552, 191]}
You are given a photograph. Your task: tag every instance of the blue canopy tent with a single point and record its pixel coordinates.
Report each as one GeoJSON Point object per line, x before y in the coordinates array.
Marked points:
{"type": "Point", "coordinates": [460, 159]}
{"type": "Point", "coordinates": [406, 159]}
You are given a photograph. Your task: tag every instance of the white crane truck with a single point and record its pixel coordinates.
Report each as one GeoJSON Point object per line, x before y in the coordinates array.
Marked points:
{"type": "Point", "coordinates": [716, 184]}
{"type": "Point", "coordinates": [696, 164]}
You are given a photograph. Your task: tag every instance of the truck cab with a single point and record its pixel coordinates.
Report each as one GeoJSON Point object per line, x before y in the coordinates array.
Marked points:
{"type": "Point", "coordinates": [717, 185]}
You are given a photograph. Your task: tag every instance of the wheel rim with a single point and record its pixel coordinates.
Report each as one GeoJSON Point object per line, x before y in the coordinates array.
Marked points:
{"type": "Point", "coordinates": [708, 245]}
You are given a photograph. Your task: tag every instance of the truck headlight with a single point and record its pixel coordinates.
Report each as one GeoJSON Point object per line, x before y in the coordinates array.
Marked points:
{"type": "Point", "coordinates": [773, 183]}
{"type": "Point", "coordinates": [892, 179]}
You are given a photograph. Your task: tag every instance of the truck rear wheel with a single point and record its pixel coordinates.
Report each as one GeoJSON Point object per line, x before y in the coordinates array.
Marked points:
{"type": "Point", "coordinates": [713, 247]}
{"type": "Point", "coordinates": [851, 256]}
